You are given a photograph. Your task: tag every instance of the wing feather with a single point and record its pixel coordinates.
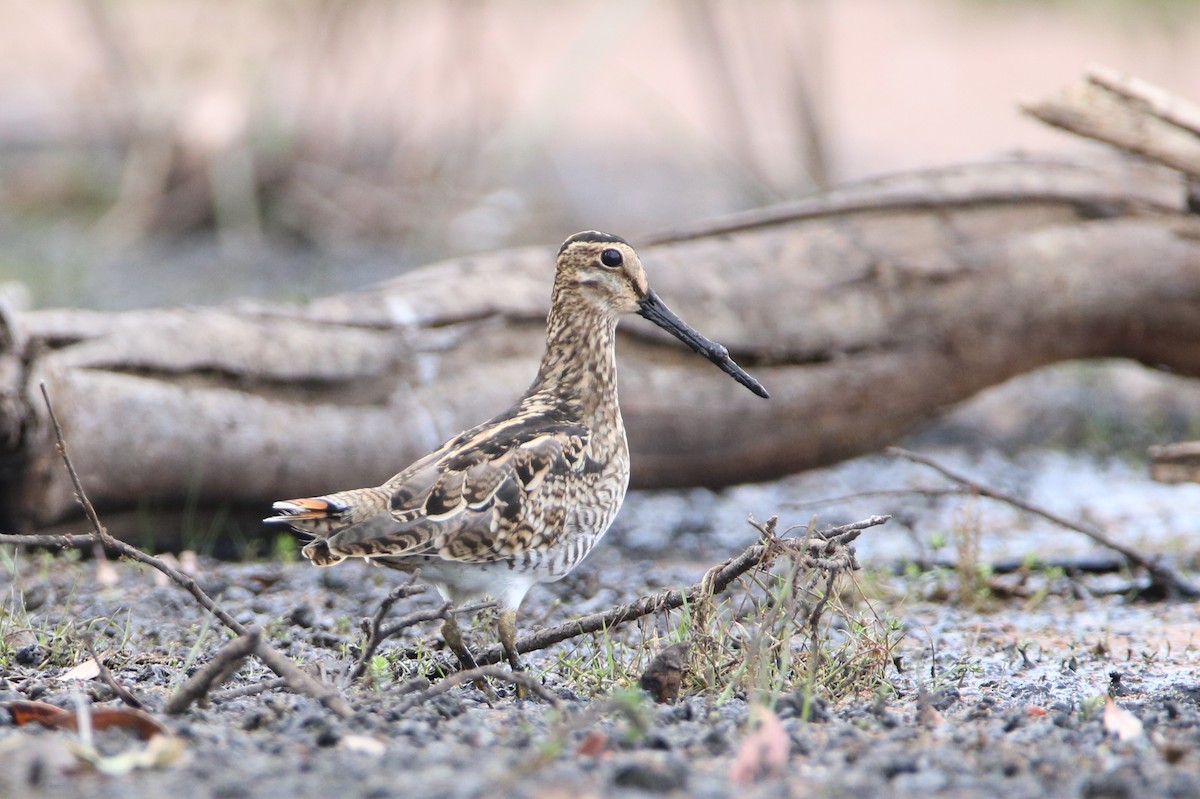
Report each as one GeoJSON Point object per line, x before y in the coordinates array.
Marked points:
{"type": "Point", "coordinates": [482, 496]}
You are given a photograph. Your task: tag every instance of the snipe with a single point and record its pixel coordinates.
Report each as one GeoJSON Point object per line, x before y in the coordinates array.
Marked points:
{"type": "Point", "coordinates": [522, 498]}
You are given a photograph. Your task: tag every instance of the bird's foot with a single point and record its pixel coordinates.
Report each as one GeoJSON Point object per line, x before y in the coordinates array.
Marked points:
{"type": "Point", "coordinates": [508, 640]}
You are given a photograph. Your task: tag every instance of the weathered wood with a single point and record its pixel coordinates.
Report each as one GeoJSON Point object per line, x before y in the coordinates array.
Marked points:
{"type": "Point", "coordinates": [1176, 463]}
{"type": "Point", "coordinates": [1130, 114]}
{"type": "Point", "coordinates": [864, 311]}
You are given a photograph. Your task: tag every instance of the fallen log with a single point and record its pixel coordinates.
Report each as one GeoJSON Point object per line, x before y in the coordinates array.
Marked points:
{"type": "Point", "coordinates": [1175, 463]}
{"type": "Point", "coordinates": [865, 311]}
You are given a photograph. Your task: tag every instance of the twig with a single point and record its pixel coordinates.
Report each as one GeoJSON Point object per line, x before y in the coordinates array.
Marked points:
{"type": "Point", "coordinates": [59, 541]}
{"type": "Point", "coordinates": [122, 692]}
{"type": "Point", "coordinates": [127, 550]}
{"type": "Point", "coordinates": [1175, 463]}
{"type": "Point", "coordinates": [374, 639]}
{"type": "Point", "coordinates": [301, 682]}
{"type": "Point", "coordinates": [928, 493]}
{"type": "Point", "coordinates": [519, 678]}
{"type": "Point", "coordinates": [297, 679]}
{"type": "Point", "coordinates": [248, 690]}
{"type": "Point", "coordinates": [819, 545]}
{"type": "Point", "coordinates": [1161, 575]}
{"type": "Point", "coordinates": [376, 634]}
{"type": "Point", "coordinates": [1156, 100]}
{"type": "Point", "coordinates": [401, 624]}
{"type": "Point", "coordinates": [1128, 114]}
{"type": "Point", "coordinates": [224, 663]}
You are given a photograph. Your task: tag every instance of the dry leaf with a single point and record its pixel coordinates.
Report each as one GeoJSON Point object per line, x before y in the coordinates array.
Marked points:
{"type": "Point", "coordinates": [145, 725]}
{"type": "Point", "coordinates": [594, 744]}
{"type": "Point", "coordinates": [363, 744]}
{"type": "Point", "coordinates": [128, 718]}
{"type": "Point", "coordinates": [27, 712]}
{"type": "Point", "coordinates": [663, 677]}
{"type": "Point", "coordinates": [158, 752]}
{"type": "Point", "coordinates": [1035, 711]}
{"type": "Point", "coordinates": [1120, 722]}
{"type": "Point", "coordinates": [106, 573]}
{"type": "Point", "coordinates": [764, 752]}
{"type": "Point", "coordinates": [87, 670]}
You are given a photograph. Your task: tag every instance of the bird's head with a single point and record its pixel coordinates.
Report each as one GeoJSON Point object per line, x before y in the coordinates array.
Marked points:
{"type": "Point", "coordinates": [604, 272]}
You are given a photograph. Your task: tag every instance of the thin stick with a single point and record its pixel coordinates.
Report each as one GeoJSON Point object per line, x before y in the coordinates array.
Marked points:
{"type": "Point", "coordinates": [58, 541]}
{"type": "Point", "coordinates": [519, 678]}
{"type": "Point", "coordinates": [1161, 575]}
{"type": "Point", "coordinates": [224, 663]}
{"type": "Point", "coordinates": [122, 692]}
{"type": "Point", "coordinates": [372, 626]}
{"type": "Point", "coordinates": [127, 550]}
{"type": "Point", "coordinates": [297, 679]}
{"type": "Point", "coordinates": [819, 546]}
{"type": "Point", "coordinates": [1158, 101]}
{"type": "Point", "coordinates": [248, 690]}
{"type": "Point", "coordinates": [300, 681]}
{"type": "Point", "coordinates": [377, 634]}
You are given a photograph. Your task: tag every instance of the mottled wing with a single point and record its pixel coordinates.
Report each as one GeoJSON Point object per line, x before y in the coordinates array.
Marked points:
{"type": "Point", "coordinates": [491, 493]}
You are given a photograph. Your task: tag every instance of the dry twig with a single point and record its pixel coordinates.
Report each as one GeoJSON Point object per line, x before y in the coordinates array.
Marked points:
{"type": "Point", "coordinates": [373, 625]}
{"type": "Point", "coordinates": [817, 550]}
{"type": "Point", "coordinates": [1162, 577]}
{"type": "Point", "coordinates": [1130, 114]}
{"type": "Point", "coordinates": [248, 690]}
{"type": "Point", "coordinates": [121, 691]}
{"type": "Point", "coordinates": [297, 679]}
{"type": "Point", "coordinates": [480, 673]}
{"type": "Point", "coordinates": [224, 663]}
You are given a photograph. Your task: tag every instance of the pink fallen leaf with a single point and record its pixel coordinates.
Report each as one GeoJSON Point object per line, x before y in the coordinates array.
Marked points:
{"type": "Point", "coordinates": [106, 573]}
{"type": "Point", "coordinates": [594, 744]}
{"type": "Point", "coordinates": [1120, 722]}
{"type": "Point", "coordinates": [87, 670]}
{"type": "Point", "coordinates": [763, 753]}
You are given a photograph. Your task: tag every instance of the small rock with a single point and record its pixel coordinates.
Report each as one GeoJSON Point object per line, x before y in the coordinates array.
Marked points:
{"type": "Point", "coordinates": [716, 740]}
{"type": "Point", "coordinates": [944, 698]}
{"type": "Point", "coordinates": [31, 655]}
{"type": "Point", "coordinates": [1108, 786]}
{"type": "Point", "coordinates": [648, 772]}
{"type": "Point", "coordinates": [35, 596]}
{"type": "Point", "coordinates": [335, 579]}
{"type": "Point", "coordinates": [302, 616]}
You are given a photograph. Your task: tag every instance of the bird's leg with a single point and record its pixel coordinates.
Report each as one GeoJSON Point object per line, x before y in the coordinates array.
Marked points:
{"type": "Point", "coordinates": [508, 640]}
{"type": "Point", "coordinates": [508, 637]}
{"type": "Point", "coordinates": [452, 634]}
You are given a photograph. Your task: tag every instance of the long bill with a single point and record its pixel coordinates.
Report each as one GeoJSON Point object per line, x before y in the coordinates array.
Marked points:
{"type": "Point", "coordinates": [656, 311]}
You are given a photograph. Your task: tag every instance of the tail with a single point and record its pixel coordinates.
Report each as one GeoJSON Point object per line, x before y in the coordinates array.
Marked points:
{"type": "Point", "coordinates": [332, 512]}
{"type": "Point", "coordinates": [316, 515]}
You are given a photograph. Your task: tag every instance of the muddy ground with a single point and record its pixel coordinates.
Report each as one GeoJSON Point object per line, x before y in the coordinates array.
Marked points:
{"type": "Point", "coordinates": [995, 684]}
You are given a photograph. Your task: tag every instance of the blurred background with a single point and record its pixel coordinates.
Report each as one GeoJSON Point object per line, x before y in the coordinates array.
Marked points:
{"type": "Point", "coordinates": [187, 152]}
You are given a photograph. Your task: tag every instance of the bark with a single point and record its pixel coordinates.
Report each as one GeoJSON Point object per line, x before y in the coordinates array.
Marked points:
{"type": "Point", "coordinates": [1176, 463]}
{"type": "Point", "coordinates": [865, 311]}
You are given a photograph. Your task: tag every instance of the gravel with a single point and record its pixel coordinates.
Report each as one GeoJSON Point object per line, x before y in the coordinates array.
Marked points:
{"type": "Point", "coordinates": [991, 696]}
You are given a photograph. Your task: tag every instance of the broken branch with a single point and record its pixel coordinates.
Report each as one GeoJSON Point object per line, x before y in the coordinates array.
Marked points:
{"type": "Point", "coordinates": [1161, 575]}
{"type": "Point", "coordinates": [296, 678]}
{"type": "Point", "coordinates": [814, 550]}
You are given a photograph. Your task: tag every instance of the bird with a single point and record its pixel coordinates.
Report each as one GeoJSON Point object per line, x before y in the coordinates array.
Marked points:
{"type": "Point", "coordinates": [522, 498]}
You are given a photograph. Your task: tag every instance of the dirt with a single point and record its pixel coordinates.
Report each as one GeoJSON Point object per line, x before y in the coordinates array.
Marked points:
{"type": "Point", "coordinates": [995, 693]}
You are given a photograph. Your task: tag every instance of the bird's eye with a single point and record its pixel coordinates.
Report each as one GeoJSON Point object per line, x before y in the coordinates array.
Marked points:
{"type": "Point", "coordinates": [611, 258]}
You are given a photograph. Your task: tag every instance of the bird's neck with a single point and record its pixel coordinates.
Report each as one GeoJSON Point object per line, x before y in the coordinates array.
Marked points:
{"type": "Point", "coordinates": [579, 369]}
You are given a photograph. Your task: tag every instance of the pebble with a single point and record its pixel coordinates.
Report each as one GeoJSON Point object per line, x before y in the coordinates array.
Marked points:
{"type": "Point", "coordinates": [651, 772]}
